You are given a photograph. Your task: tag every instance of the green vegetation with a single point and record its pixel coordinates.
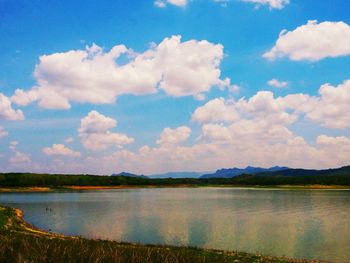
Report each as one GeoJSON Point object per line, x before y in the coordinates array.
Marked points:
{"type": "Point", "coordinates": [340, 176]}
{"type": "Point", "coordinates": [19, 242]}
{"type": "Point", "coordinates": [3, 219]}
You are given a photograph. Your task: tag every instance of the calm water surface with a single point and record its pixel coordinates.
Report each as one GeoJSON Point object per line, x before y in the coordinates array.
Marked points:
{"type": "Point", "coordinates": [296, 223]}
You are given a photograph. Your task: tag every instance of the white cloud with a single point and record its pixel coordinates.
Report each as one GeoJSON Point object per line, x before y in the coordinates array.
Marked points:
{"type": "Point", "coordinates": [248, 131]}
{"type": "Point", "coordinates": [3, 132]}
{"type": "Point", "coordinates": [163, 3]}
{"type": "Point", "coordinates": [256, 131]}
{"type": "Point", "coordinates": [24, 98]}
{"type": "Point", "coordinates": [262, 105]}
{"type": "Point", "coordinates": [69, 140]}
{"type": "Point", "coordinates": [95, 122]}
{"type": "Point", "coordinates": [216, 110]}
{"type": "Point", "coordinates": [277, 83]}
{"type": "Point", "coordinates": [174, 136]}
{"type": "Point", "coordinates": [259, 134]}
{"type": "Point", "coordinates": [95, 135]}
{"type": "Point", "coordinates": [332, 107]}
{"type": "Point", "coordinates": [335, 149]}
{"type": "Point", "coordinates": [273, 4]}
{"type": "Point", "coordinates": [189, 68]}
{"type": "Point", "coordinates": [60, 149]}
{"type": "Point", "coordinates": [234, 88]}
{"type": "Point", "coordinates": [207, 155]}
{"type": "Point", "coordinates": [6, 110]}
{"type": "Point", "coordinates": [340, 141]}
{"type": "Point", "coordinates": [160, 3]}
{"type": "Point", "coordinates": [313, 41]}
{"type": "Point", "coordinates": [19, 158]}
{"type": "Point", "coordinates": [13, 145]}
{"type": "Point", "coordinates": [217, 132]}
{"type": "Point", "coordinates": [247, 143]}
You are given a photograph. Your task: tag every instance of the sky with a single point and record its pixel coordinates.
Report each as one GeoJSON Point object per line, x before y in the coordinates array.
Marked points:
{"type": "Point", "coordinates": [156, 86]}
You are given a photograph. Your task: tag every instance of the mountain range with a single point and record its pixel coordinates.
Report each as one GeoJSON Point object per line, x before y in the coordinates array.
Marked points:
{"type": "Point", "coordinates": [126, 174]}
{"type": "Point", "coordinates": [178, 175]}
{"type": "Point", "coordinates": [233, 172]}
{"type": "Point", "coordinates": [221, 173]}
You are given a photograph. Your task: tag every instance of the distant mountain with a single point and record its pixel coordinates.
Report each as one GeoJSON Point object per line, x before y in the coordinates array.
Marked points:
{"type": "Point", "coordinates": [178, 175]}
{"type": "Point", "coordinates": [233, 172]}
{"type": "Point", "coordinates": [126, 174]}
{"type": "Point", "coordinates": [336, 176]}
{"type": "Point", "coordinates": [307, 172]}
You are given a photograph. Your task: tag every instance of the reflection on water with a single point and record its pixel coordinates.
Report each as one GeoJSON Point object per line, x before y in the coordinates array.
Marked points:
{"type": "Point", "coordinates": [298, 223]}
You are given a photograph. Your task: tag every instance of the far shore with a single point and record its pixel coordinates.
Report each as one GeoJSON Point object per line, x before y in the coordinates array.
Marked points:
{"type": "Point", "coordinates": [95, 188]}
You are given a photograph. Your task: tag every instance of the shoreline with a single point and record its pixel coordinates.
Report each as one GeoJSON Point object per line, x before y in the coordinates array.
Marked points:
{"type": "Point", "coordinates": [15, 224]}
{"type": "Point", "coordinates": [98, 188]}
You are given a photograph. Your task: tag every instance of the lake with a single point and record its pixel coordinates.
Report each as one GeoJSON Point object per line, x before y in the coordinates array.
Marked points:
{"type": "Point", "coordinates": [294, 223]}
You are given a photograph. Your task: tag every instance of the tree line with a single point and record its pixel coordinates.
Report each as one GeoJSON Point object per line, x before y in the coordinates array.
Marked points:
{"type": "Point", "coordinates": [339, 176]}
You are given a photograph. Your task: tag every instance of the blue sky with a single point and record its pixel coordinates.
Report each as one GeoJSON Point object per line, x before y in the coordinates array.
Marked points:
{"type": "Point", "coordinates": [179, 120]}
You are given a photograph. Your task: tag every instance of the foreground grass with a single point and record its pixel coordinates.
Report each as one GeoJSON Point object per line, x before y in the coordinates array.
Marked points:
{"type": "Point", "coordinates": [20, 242]}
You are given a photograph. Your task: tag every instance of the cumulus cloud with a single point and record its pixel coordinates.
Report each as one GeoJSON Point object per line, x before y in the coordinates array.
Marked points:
{"type": "Point", "coordinates": [262, 119]}
{"type": "Point", "coordinates": [217, 132]}
{"type": "Point", "coordinates": [189, 68]}
{"type": "Point", "coordinates": [338, 141]}
{"type": "Point", "coordinates": [313, 41]}
{"type": "Point", "coordinates": [273, 4]}
{"type": "Point", "coordinates": [208, 155]}
{"type": "Point", "coordinates": [24, 98]}
{"type": "Point", "coordinates": [6, 110]}
{"type": "Point", "coordinates": [216, 110]}
{"type": "Point", "coordinates": [228, 147]}
{"type": "Point", "coordinates": [69, 140]}
{"type": "Point", "coordinates": [19, 158]}
{"type": "Point", "coordinates": [262, 105]}
{"type": "Point", "coordinates": [259, 134]}
{"type": "Point", "coordinates": [277, 83]}
{"type": "Point", "coordinates": [260, 131]}
{"type": "Point", "coordinates": [163, 3]}
{"type": "Point", "coordinates": [247, 131]}
{"type": "Point", "coordinates": [3, 132]}
{"type": "Point", "coordinates": [95, 135]}
{"type": "Point", "coordinates": [174, 136]}
{"type": "Point", "coordinates": [60, 149]}
{"type": "Point", "coordinates": [332, 107]}
{"type": "Point", "coordinates": [336, 149]}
